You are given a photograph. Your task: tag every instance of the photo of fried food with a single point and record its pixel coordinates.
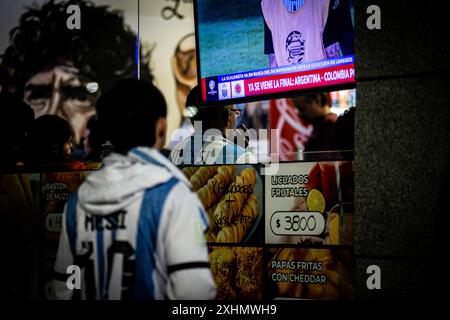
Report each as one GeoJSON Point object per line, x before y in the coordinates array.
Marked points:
{"type": "Point", "coordinates": [229, 198]}
{"type": "Point", "coordinates": [201, 176]}
{"type": "Point", "coordinates": [238, 272]}
{"type": "Point", "coordinates": [236, 231]}
{"type": "Point", "coordinates": [228, 209]}
{"type": "Point", "coordinates": [325, 274]}
{"type": "Point", "coordinates": [223, 267]}
{"type": "Point", "coordinates": [189, 171]}
{"type": "Point", "coordinates": [209, 194]}
{"type": "Point", "coordinates": [249, 273]}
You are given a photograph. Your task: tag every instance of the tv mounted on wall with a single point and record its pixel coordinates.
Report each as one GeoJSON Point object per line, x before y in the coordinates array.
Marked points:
{"type": "Point", "coordinates": [259, 49]}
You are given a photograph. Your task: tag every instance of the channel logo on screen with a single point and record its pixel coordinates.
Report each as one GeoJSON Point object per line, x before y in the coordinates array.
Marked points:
{"type": "Point", "coordinates": [224, 91]}
{"type": "Point", "coordinates": [212, 86]}
{"type": "Point", "coordinates": [237, 89]}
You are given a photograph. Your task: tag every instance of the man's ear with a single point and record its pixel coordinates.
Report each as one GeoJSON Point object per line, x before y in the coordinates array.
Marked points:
{"type": "Point", "coordinates": [160, 133]}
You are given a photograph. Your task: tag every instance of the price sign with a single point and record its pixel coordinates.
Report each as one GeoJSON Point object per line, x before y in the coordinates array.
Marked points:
{"type": "Point", "coordinates": [53, 222]}
{"type": "Point", "coordinates": [288, 223]}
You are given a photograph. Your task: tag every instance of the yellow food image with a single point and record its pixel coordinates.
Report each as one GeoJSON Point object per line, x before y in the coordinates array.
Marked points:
{"type": "Point", "coordinates": [230, 207]}
{"type": "Point", "coordinates": [212, 221]}
{"type": "Point", "coordinates": [223, 264]}
{"type": "Point", "coordinates": [333, 229]}
{"type": "Point", "coordinates": [228, 199]}
{"type": "Point", "coordinates": [201, 176]}
{"type": "Point", "coordinates": [315, 201]}
{"type": "Point", "coordinates": [210, 236]}
{"type": "Point", "coordinates": [287, 289]}
{"type": "Point", "coordinates": [189, 171]}
{"type": "Point", "coordinates": [208, 194]}
{"type": "Point", "coordinates": [334, 266]}
{"type": "Point", "coordinates": [236, 231]}
{"type": "Point", "coordinates": [249, 273]}
{"type": "Point", "coordinates": [335, 234]}
{"type": "Point", "coordinates": [237, 272]}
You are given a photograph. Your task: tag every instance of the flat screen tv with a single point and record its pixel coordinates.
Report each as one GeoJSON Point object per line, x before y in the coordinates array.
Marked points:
{"type": "Point", "coordinates": [259, 49]}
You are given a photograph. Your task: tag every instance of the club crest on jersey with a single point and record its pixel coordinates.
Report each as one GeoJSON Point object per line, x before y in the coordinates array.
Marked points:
{"type": "Point", "coordinates": [295, 47]}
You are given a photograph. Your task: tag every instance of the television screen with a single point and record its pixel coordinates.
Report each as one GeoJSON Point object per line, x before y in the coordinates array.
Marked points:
{"type": "Point", "coordinates": [255, 48]}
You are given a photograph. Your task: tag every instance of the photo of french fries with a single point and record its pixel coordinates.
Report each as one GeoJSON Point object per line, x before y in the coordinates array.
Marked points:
{"type": "Point", "coordinates": [306, 273]}
{"type": "Point", "coordinates": [229, 196]}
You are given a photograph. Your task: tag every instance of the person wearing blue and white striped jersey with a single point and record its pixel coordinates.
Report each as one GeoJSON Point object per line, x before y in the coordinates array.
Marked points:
{"type": "Point", "coordinates": [134, 228]}
{"type": "Point", "coordinates": [211, 143]}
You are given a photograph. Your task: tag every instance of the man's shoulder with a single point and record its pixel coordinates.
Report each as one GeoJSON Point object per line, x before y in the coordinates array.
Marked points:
{"type": "Point", "coordinates": [174, 184]}
{"type": "Point", "coordinates": [230, 146]}
{"type": "Point", "coordinates": [237, 154]}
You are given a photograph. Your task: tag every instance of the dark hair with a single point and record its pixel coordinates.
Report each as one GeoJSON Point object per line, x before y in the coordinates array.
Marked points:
{"type": "Point", "coordinates": [322, 97]}
{"type": "Point", "coordinates": [212, 117]}
{"type": "Point", "coordinates": [96, 135]}
{"type": "Point", "coordinates": [47, 139]}
{"type": "Point", "coordinates": [194, 97]}
{"type": "Point", "coordinates": [104, 49]}
{"type": "Point", "coordinates": [128, 114]}
{"type": "Point", "coordinates": [344, 130]}
{"type": "Point", "coordinates": [165, 152]}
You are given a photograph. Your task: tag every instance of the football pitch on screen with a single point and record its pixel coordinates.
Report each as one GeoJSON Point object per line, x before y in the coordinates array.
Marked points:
{"type": "Point", "coordinates": [232, 43]}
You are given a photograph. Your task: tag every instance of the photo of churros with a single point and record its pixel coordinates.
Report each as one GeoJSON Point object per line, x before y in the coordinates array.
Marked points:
{"type": "Point", "coordinates": [232, 197]}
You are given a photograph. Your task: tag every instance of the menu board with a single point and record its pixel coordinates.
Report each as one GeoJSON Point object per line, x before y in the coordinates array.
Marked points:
{"type": "Point", "coordinates": [56, 188]}
{"type": "Point", "coordinates": [287, 235]}
{"type": "Point", "coordinates": [310, 203]}
{"type": "Point", "coordinates": [309, 211]}
{"type": "Point", "coordinates": [284, 235]}
{"type": "Point", "coordinates": [238, 272]}
{"type": "Point", "coordinates": [309, 273]}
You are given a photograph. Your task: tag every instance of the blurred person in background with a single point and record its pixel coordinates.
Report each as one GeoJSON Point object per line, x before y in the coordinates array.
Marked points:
{"type": "Point", "coordinates": [18, 203]}
{"type": "Point", "coordinates": [315, 109]}
{"type": "Point", "coordinates": [344, 133]}
{"type": "Point", "coordinates": [210, 143]}
{"type": "Point", "coordinates": [93, 140]}
{"type": "Point", "coordinates": [16, 119]}
{"type": "Point", "coordinates": [50, 144]}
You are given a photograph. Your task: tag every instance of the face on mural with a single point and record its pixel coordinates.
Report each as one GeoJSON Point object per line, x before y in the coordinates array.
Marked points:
{"type": "Point", "coordinates": [43, 56]}
{"type": "Point", "coordinates": [61, 92]}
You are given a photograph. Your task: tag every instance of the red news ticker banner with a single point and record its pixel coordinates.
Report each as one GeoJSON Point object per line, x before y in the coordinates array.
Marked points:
{"type": "Point", "coordinates": [300, 80]}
